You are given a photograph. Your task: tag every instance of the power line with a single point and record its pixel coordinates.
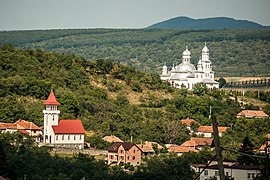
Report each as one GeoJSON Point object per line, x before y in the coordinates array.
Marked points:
{"type": "Point", "coordinates": [245, 154]}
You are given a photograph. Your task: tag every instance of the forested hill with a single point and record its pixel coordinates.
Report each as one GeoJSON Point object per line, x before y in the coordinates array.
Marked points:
{"type": "Point", "coordinates": [233, 52]}
{"type": "Point", "coordinates": [207, 23]}
{"type": "Point", "coordinates": [108, 97]}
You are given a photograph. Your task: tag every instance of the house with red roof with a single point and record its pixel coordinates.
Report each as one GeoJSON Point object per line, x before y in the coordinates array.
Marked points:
{"type": "Point", "coordinates": [65, 133]}
{"type": "Point", "coordinates": [252, 114]}
{"type": "Point", "coordinates": [207, 131]}
{"type": "Point", "coordinates": [8, 127]}
{"type": "Point", "coordinates": [124, 152]}
{"type": "Point", "coordinates": [188, 123]}
{"type": "Point", "coordinates": [29, 128]}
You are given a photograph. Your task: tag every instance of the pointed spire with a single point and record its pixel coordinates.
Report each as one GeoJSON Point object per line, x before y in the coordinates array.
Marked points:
{"type": "Point", "coordinates": [51, 100]}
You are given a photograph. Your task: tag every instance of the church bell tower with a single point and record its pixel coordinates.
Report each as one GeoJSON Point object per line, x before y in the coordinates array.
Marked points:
{"type": "Point", "coordinates": [51, 117]}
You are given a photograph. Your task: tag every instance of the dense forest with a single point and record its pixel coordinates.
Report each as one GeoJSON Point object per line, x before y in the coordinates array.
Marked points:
{"type": "Point", "coordinates": [111, 98]}
{"type": "Point", "coordinates": [233, 52]}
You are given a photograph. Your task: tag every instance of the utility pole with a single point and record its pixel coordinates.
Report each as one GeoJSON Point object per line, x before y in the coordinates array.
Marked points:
{"type": "Point", "coordinates": [218, 149]}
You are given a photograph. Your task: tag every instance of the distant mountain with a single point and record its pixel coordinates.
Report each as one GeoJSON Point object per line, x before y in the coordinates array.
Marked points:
{"type": "Point", "coordinates": [207, 23]}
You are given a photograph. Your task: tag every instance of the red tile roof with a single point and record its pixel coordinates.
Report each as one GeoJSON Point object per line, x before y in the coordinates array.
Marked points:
{"type": "Point", "coordinates": [112, 139]}
{"type": "Point", "coordinates": [188, 122]}
{"type": "Point", "coordinates": [126, 145]}
{"type": "Point", "coordinates": [209, 129]}
{"type": "Point", "coordinates": [181, 149]}
{"type": "Point", "coordinates": [194, 142]}
{"type": "Point", "coordinates": [189, 143]}
{"type": "Point", "coordinates": [22, 124]}
{"type": "Point", "coordinates": [202, 141]}
{"type": "Point", "coordinates": [51, 100]}
{"type": "Point", "coordinates": [146, 148]}
{"type": "Point", "coordinates": [8, 126]}
{"type": "Point", "coordinates": [252, 113]}
{"type": "Point", "coordinates": [69, 127]}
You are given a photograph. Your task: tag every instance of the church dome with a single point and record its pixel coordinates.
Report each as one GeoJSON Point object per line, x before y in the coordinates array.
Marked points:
{"type": "Point", "coordinates": [205, 49]}
{"type": "Point", "coordinates": [183, 67]}
{"type": "Point", "coordinates": [186, 52]}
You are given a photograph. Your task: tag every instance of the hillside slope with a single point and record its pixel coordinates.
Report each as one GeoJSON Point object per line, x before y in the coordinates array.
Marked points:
{"type": "Point", "coordinates": [232, 52]}
{"type": "Point", "coordinates": [206, 23]}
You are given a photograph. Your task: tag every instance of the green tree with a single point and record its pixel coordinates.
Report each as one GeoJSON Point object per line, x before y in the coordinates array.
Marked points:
{"type": "Point", "coordinates": [200, 89]}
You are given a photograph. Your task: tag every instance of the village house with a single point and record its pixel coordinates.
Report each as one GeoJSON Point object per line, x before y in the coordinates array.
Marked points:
{"type": "Point", "coordinates": [8, 128]}
{"type": "Point", "coordinates": [236, 171]}
{"type": "Point", "coordinates": [29, 128]}
{"type": "Point", "coordinates": [252, 114]}
{"type": "Point", "coordinates": [192, 145]}
{"type": "Point", "coordinates": [124, 152]}
{"type": "Point", "coordinates": [112, 139]}
{"type": "Point", "coordinates": [148, 148]}
{"type": "Point", "coordinates": [63, 133]}
{"type": "Point", "coordinates": [24, 127]}
{"type": "Point", "coordinates": [207, 131]}
{"type": "Point", "coordinates": [179, 150]}
{"type": "Point", "coordinates": [188, 123]}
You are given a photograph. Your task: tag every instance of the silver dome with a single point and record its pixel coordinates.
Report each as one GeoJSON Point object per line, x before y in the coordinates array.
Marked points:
{"type": "Point", "coordinates": [185, 67]}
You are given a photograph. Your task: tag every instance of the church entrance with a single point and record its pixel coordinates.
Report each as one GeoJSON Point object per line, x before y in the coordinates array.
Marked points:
{"type": "Point", "coordinates": [50, 139]}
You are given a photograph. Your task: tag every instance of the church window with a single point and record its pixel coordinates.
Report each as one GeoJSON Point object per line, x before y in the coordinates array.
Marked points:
{"type": "Point", "coordinates": [74, 137]}
{"type": "Point", "coordinates": [80, 137]}
{"type": "Point", "coordinates": [68, 137]}
{"type": "Point", "coordinates": [56, 137]}
{"type": "Point", "coordinates": [53, 117]}
{"type": "Point", "coordinates": [63, 137]}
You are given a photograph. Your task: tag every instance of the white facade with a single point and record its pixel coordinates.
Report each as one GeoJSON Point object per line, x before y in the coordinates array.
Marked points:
{"type": "Point", "coordinates": [51, 118]}
{"type": "Point", "coordinates": [185, 75]}
{"type": "Point", "coordinates": [237, 174]}
{"type": "Point", "coordinates": [68, 133]}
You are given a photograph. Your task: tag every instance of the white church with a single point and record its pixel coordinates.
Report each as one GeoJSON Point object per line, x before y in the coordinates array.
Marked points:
{"type": "Point", "coordinates": [185, 75]}
{"type": "Point", "coordinates": [67, 133]}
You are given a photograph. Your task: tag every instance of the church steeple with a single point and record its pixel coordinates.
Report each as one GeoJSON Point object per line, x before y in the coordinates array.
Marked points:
{"type": "Point", "coordinates": [51, 117]}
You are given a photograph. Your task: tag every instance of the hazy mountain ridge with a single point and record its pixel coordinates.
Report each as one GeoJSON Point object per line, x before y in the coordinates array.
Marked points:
{"type": "Point", "coordinates": [207, 23]}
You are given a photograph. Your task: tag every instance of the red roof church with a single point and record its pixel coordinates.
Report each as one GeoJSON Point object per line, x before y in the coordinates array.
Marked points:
{"type": "Point", "coordinates": [68, 133]}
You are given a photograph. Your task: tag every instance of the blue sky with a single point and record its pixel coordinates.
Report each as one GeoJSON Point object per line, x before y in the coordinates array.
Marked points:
{"type": "Point", "coordinates": [63, 14]}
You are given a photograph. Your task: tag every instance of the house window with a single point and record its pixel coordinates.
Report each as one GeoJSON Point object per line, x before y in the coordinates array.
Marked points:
{"type": "Point", "coordinates": [63, 137]}
{"type": "Point", "coordinates": [68, 137]}
{"type": "Point", "coordinates": [74, 137]}
{"type": "Point", "coordinates": [227, 173]}
{"type": "Point", "coordinates": [80, 137]}
{"type": "Point", "coordinates": [206, 172]}
{"type": "Point", "coordinates": [111, 156]}
{"type": "Point", "coordinates": [56, 137]}
{"type": "Point", "coordinates": [128, 158]}
{"type": "Point", "coordinates": [121, 151]}
{"type": "Point", "coordinates": [216, 173]}
{"type": "Point", "coordinates": [134, 151]}
{"type": "Point", "coordinates": [133, 157]}
{"type": "Point", "coordinates": [53, 117]}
